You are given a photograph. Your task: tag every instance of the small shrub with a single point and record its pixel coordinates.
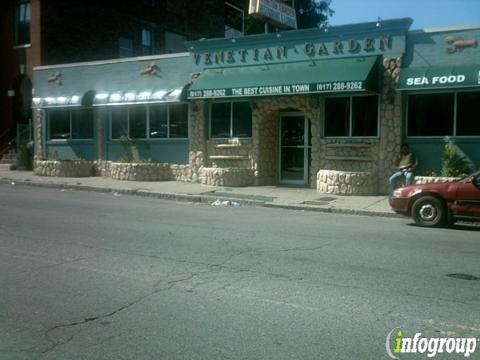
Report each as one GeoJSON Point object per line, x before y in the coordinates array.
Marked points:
{"type": "Point", "coordinates": [454, 162]}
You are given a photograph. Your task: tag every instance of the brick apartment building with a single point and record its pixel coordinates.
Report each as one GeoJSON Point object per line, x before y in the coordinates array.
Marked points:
{"type": "Point", "coordinates": [44, 32]}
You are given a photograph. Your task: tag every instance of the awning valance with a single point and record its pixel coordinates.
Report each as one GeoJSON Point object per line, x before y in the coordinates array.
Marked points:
{"type": "Point", "coordinates": [439, 77]}
{"type": "Point", "coordinates": [316, 76]}
{"type": "Point", "coordinates": [137, 97]}
{"type": "Point", "coordinates": [159, 78]}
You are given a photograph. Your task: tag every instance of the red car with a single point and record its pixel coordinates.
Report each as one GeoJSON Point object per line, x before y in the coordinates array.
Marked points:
{"type": "Point", "coordinates": [438, 204]}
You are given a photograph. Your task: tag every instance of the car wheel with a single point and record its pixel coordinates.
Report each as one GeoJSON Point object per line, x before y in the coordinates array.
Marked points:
{"type": "Point", "coordinates": [428, 211]}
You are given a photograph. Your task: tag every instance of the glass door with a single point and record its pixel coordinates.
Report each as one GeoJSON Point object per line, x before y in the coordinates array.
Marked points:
{"type": "Point", "coordinates": [294, 149]}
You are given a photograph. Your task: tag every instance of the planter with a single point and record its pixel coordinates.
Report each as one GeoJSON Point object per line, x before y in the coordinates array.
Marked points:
{"type": "Point", "coordinates": [226, 176]}
{"type": "Point", "coordinates": [140, 171]}
{"type": "Point", "coordinates": [63, 168]}
{"type": "Point", "coordinates": [346, 182]}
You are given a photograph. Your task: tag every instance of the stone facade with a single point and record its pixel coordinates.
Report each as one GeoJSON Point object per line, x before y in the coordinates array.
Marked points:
{"type": "Point", "coordinates": [102, 168]}
{"type": "Point", "coordinates": [390, 123]}
{"type": "Point", "coordinates": [266, 136]}
{"type": "Point", "coordinates": [198, 136]}
{"type": "Point", "coordinates": [346, 182]}
{"type": "Point", "coordinates": [226, 176]}
{"type": "Point", "coordinates": [140, 171]}
{"type": "Point", "coordinates": [39, 134]}
{"type": "Point", "coordinates": [63, 168]}
{"type": "Point", "coordinates": [180, 172]}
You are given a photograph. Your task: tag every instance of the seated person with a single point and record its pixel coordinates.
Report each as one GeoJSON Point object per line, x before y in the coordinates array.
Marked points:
{"type": "Point", "coordinates": [406, 165]}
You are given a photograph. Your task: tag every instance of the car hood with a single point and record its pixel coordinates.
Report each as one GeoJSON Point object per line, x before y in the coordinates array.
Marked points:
{"type": "Point", "coordinates": [436, 187]}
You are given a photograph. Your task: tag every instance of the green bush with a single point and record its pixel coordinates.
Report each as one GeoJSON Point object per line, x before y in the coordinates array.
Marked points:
{"type": "Point", "coordinates": [454, 161]}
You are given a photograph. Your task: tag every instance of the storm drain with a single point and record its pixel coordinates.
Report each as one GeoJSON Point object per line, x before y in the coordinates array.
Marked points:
{"type": "Point", "coordinates": [463, 276]}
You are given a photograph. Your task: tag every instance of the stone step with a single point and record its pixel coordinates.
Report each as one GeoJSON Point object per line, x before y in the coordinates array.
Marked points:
{"type": "Point", "coordinates": [229, 146]}
{"type": "Point", "coordinates": [228, 157]}
{"type": "Point", "coordinates": [348, 158]}
{"type": "Point", "coordinates": [5, 167]}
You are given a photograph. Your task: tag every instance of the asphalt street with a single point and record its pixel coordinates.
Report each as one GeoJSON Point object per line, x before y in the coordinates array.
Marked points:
{"type": "Point", "coordinates": [106, 276]}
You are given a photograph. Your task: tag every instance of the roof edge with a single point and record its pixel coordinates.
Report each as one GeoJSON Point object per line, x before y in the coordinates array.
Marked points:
{"type": "Point", "coordinates": [113, 61]}
{"type": "Point", "coordinates": [446, 28]}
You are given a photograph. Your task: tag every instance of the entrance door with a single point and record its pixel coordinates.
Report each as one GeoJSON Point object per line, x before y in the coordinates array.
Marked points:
{"type": "Point", "coordinates": [294, 149]}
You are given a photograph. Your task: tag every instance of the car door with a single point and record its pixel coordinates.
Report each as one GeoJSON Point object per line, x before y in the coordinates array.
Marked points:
{"type": "Point", "coordinates": [468, 198]}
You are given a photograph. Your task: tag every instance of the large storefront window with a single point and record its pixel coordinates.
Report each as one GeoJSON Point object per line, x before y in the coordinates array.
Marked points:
{"type": "Point", "coordinates": [468, 118]}
{"type": "Point", "coordinates": [69, 124]}
{"type": "Point", "coordinates": [150, 121]}
{"type": "Point", "coordinates": [230, 119]}
{"type": "Point", "coordinates": [443, 114]}
{"type": "Point", "coordinates": [351, 116]}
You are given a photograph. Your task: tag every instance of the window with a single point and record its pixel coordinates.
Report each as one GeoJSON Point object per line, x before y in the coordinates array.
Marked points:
{"type": "Point", "coordinates": [443, 114]}
{"type": "Point", "coordinates": [468, 119]}
{"type": "Point", "coordinates": [158, 121]}
{"type": "Point", "coordinates": [138, 122]}
{"type": "Point", "coordinates": [125, 47]}
{"type": "Point", "coordinates": [149, 121]}
{"type": "Point", "coordinates": [69, 124]}
{"type": "Point", "coordinates": [178, 121]}
{"type": "Point", "coordinates": [351, 116]}
{"type": "Point", "coordinates": [230, 119]}
{"type": "Point", "coordinates": [174, 42]}
{"type": "Point", "coordinates": [234, 19]}
{"type": "Point", "coordinates": [430, 114]}
{"type": "Point", "coordinates": [147, 42]}
{"type": "Point", "coordinates": [22, 26]}
{"type": "Point", "coordinates": [82, 123]}
{"type": "Point", "coordinates": [59, 124]}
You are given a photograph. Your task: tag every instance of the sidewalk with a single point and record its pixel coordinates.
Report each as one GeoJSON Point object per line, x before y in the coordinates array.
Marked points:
{"type": "Point", "coordinates": [267, 196]}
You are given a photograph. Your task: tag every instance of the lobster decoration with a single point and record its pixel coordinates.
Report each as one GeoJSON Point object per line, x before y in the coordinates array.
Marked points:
{"type": "Point", "coordinates": [55, 78]}
{"type": "Point", "coordinates": [457, 44]}
{"type": "Point", "coordinates": [149, 70]}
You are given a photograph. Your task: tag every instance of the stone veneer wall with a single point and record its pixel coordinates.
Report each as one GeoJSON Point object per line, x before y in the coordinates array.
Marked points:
{"type": "Point", "coordinates": [391, 123]}
{"type": "Point", "coordinates": [63, 168]}
{"type": "Point", "coordinates": [226, 176]}
{"type": "Point", "coordinates": [346, 182]}
{"type": "Point", "coordinates": [140, 171]}
{"type": "Point", "coordinates": [198, 139]}
{"type": "Point", "coordinates": [265, 134]}
{"type": "Point", "coordinates": [38, 133]}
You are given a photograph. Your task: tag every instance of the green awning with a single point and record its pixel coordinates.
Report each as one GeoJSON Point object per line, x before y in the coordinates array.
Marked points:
{"type": "Point", "coordinates": [316, 76]}
{"type": "Point", "coordinates": [439, 77]}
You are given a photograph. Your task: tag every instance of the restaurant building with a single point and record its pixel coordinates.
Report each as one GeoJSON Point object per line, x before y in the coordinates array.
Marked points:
{"type": "Point", "coordinates": [324, 108]}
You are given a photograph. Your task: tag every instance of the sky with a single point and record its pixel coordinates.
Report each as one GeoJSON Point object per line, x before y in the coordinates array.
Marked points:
{"type": "Point", "coordinates": [425, 13]}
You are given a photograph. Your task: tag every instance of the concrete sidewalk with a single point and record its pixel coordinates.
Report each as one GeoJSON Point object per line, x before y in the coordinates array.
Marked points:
{"type": "Point", "coordinates": [267, 196]}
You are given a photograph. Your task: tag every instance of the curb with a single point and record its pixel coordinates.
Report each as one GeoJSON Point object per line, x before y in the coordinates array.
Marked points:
{"type": "Point", "coordinates": [201, 198]}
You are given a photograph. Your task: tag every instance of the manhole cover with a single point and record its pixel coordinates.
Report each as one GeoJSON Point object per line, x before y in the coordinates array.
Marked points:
{"type": "Point", "coordinates": [463, 276]}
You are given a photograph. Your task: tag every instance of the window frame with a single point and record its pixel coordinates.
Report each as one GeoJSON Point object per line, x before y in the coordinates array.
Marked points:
{"type": "Point", "coordinates": [123, 47]}
{"type": "Point", "coordinates": [350, 118]}
{"type": "Point", "coordinates": [148, 138]}
{"type": "Point", "coordinates": [455, 102]}
{"type": "Point", "coordinates": [151, 45]}
{"type": "Point", "coordinates": [70, 119]}
{"type": "Point", "coordinates": [18, 22]}
{"type": "Point", "coordinates": [231, 120]}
